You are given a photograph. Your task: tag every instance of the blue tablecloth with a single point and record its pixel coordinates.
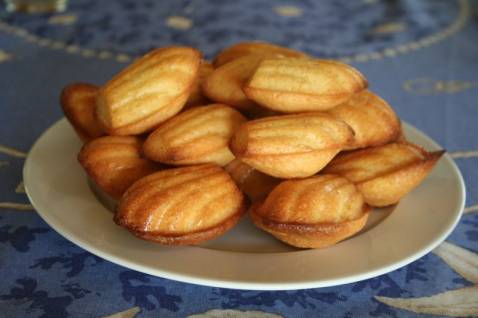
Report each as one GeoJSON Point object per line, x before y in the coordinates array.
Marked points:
{"type": "Point", "coordinates": [420, 56]}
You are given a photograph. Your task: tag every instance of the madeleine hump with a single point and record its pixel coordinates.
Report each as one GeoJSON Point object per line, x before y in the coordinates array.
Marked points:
{"type": "Point", "coordinates": [315, 212]}
{"type": "Point", "coordinates": [182, 206]}
{"type": "Point", "coordinates": [149, 91]}
{"type": "Point", "coordinates": [291, 146]}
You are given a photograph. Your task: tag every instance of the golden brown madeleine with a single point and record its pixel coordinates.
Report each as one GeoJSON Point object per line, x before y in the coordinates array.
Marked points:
{"type": "Point", "coordinates": [372, 119]}
{"type": "Point", "coordinates": [182, 206]}
{"type": "Point", "coordinates": [197, 98]}
{"type": "Point", "coordinates": [294, 85]}
{"type": "Point", "coordinates": [115, 162]}
{"type": "Point", "coordinates": [255, 184]}
{"type": "Point", "coordinates": [385, 174]}
{"type": "Point", "coordinates": [149, 91]}
{"type": "Point", "coordinates": [198, 135]}
{"type": "Point", "coordinates": [78, 103]}
{"type": "Point", "coordinates": [314, 212]}
{"type": "Point", "coordinates": [245, 48]}
{"type": "Point", "coordinates": [225, 84]}
{"type": "Point", "coordinates": [291, 146]}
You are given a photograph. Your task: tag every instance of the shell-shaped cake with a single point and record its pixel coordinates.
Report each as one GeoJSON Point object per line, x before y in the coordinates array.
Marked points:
{"type": "Point", "coordinates": [115, 162]}
{"type": "Point", "coordinates": [291, 146]}
{"type": "Point", "coordinates": [294, 85]}
{"type": "Point", "coordinates": [149, 91]}
{"type": "Point", "coordinates": [198, 135]}
{"type": "Point", "coordinates": [225, 84]}
{"type": "Point", "coordinates": [182, 206]}
{"type": "Point", "coordinates": [245, 48]}
{"type": "Point", "coordinates": [315, 212]}
{"type": "Point", "coordinates": [78, 101]}
{"type": "Point", "coordinates": [385, 174]}
{"type": "Point", "coordinates": [372, 119]}
{"type": "Point", "coordinates": [196, 97]}
{"type": "Point", "coordinates": [255, 184]}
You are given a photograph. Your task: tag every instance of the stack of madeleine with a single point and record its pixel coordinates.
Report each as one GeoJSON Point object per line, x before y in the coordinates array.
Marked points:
{"type": "Point", "coordinates": [187, 146]}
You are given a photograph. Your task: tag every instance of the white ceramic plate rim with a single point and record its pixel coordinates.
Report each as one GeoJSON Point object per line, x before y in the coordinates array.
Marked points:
{"type": "Point", "coordinates": [237, 269]}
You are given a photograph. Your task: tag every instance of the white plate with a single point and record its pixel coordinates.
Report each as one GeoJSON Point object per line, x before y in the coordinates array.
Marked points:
{"type": "Point", "coordinates": [245, 257]}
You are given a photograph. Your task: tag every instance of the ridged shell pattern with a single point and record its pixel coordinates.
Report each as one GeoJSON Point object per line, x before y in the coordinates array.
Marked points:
{"type": "Point", "coordinates": [385, 174]}
{"type": "Point", "coordinates": [298, 85]}
{"type": "Point", "coordinates": [160, 81]}
{"type": "Point", "coordinates": [291, 146]}
{"type": "Point", "coordinates": [199, 135]}
{"type": "Point", "coordinates": [320, 199]}
{"type": "Point", "coordinates": [180, 201]}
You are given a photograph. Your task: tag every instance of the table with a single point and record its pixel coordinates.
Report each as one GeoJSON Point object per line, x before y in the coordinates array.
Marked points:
{"type": "Point", "coordinates": [420, 56]}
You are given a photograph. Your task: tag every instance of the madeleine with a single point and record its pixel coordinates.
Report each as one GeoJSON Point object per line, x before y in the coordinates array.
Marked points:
{"type": "Point", "coordinates": [197, 98]}
{"type": "Point", "coordinates": [115, 162]}
{"type": "Point", "coordinates": [372, 119]}
{"type": "Point", "coordinates": [78, 103]}
{"type": "Point", "coordinates": [315, 212]}
{"type": "Point", "coordinates": [294, 85]}
{"type": "Point", "coordinates": [198, 135]}
{"type": "Point", "coordinates": [255, 184]}
{"type": "Point", "coordinates": [385, 174]}
{"type": "Point", "coordinates": [291, 146]}
{"type": "Point", "coordinates": [181, 206]}
{"type": "Point", "coordinates": [245, 48]}
{"type": "Point", "coordinates": [149, 91]}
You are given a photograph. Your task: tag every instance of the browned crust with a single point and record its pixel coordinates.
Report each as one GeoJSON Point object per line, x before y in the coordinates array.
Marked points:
{"type": "Point", "coordinates": [317, 235]}
{"type": "Point", "coordinates": [67, 101]}
{"type": "Point", "coordinates": [192, 238]}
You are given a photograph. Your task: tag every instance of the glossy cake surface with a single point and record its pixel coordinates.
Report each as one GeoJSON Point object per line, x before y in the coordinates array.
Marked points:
{"type": "Point", "coordinates": [182, 205]}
